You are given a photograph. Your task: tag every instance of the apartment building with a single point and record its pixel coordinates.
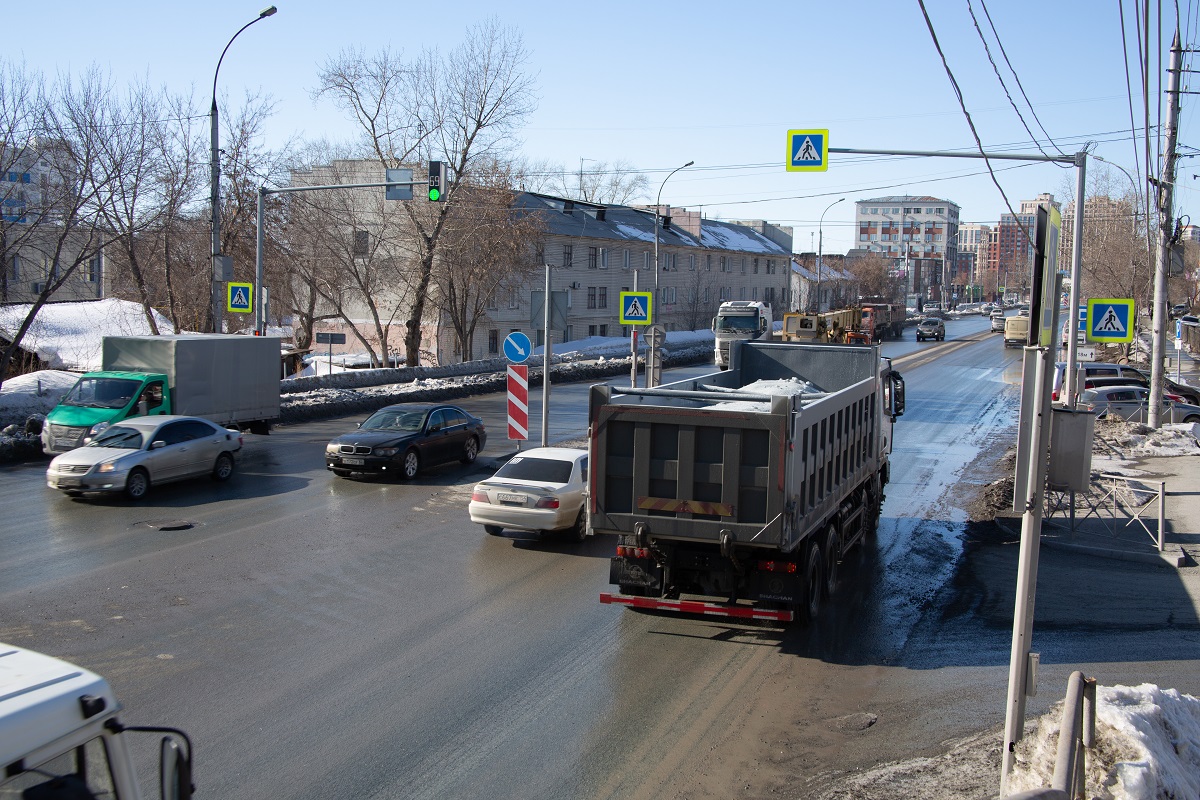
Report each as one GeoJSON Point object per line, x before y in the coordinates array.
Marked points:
{"type": "Point", "coordinates": [918, 233]}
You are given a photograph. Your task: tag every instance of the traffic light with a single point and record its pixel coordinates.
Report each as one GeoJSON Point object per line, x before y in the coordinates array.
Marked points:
{"type": "Point", "coordinates": [437, 181]}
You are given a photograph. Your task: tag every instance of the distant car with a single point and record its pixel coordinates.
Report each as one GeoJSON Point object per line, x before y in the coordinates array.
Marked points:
{"type": "Point", "coordinates": [1192, 318]}
{"type": "Point", "coordinates": [1132, 403]}
{"type": "Point", "coordinates": [931, 328]}
{"type": "Point", "coordinates": [986, 309]}
{"type": "Point", "coordinates": [997, 320]}
{"type": "Point", "coordinates": [1123, 375]}
{"type": "Point", "coordinates": [137, 453]}
{"type": "Point", "coordinates": [405, 438]}
{"type": "Point", "coordinates": [542, 489]}
{"type": "Point", "coordinates": [1180, 310]}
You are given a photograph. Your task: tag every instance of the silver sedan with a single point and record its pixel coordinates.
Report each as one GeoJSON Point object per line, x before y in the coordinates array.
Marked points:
{"type": "Point", "coordinates": [1132, 403]}
{"type": "Point", "coordinates": [137, 453]}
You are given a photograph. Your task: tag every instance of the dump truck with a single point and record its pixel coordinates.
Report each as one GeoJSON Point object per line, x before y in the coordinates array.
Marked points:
{"type": "Point", "coordinates": [739, 320]}
{"type": "Point", "coordinates": [738, 493]}
{"type": "Point", "coordinates": [883, 320]}
{"type": "Point", "coordinates": [231, 380]}
{"type": "Point", "coordinates": [60, 736]}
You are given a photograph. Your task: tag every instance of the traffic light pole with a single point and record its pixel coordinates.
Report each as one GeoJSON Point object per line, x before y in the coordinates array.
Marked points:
{"type": "Point", "coordinates": [263, 191]}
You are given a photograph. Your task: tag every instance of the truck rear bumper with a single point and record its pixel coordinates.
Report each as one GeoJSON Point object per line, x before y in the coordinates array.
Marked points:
{"type": "Point", "coordinates": [697, 607]}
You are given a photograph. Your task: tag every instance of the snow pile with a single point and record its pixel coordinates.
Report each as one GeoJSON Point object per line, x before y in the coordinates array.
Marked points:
{"type": "Point", "coordinates": [35, 393]}
{"type": "Point", "coordinates": [68, 335]}
{"type": "Point", "coordinates": [1117, 441]}
{"type": "Point", "coordinates": [1147, 746]}
{"type": "Point", "coordinates": [768, 389]}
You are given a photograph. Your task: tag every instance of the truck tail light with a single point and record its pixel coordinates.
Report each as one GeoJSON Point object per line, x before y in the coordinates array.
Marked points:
{"type": "Point", "coordinates": [547, 502]}
{"type": "Point", "coordinates": [777, 566]}
{"type": "Point", "coordinates": [625, 551]}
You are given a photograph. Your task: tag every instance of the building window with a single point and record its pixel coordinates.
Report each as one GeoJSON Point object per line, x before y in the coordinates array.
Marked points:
{"type": "Point", "coordinates": [93, 269]}
{"type": "Point", "coordinates": [646, 260]}
{"type": "Point", "coordinates": [593, 258]}
{"type": "Point", "coordinates": [756, 266]}
{"type": "Point", "coordinates": [603, 258]}
{"type": "Point", "coordinates": [514, 299]}
{"type": "Point", "coordinates": [591, 297]}
{"type": "Point", "coordinates": [604, 330]}
{"type": "Point", "coordinates": [742, 293]}
{"type": "Point", "coordinates": [539, 253]}
{"type": "Point", "coordinates": [723, 266]}
{"type": "Point", "coordinates": [706, 294]}
{"type": "Point", "coordinates": [591, 330]}
{"type": "Point", "coordinates": [16, 268]}
{"type": "Point", "coordinates": [770, 266]}
{"type": "Point", "coordinates": [708, 262]}
{"type": "Point", "coordinates": [493, 341]}
{"type": "Point", "coordinates": [602, 299]}
{"type": "Point", "coordinates": [625, 260]}
{"type": "Point", "coordinates": [567, 256]}
{"type": "Point", "coordinates": [692, 262]}
{"type": "Point", "coordinates": [362, 244]}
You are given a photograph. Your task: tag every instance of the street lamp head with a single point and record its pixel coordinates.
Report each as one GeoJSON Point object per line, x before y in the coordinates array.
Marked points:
{"type": "Point", "coordinates": [268, 11]}
{"type": "Point", "coordinates": [688, 164]}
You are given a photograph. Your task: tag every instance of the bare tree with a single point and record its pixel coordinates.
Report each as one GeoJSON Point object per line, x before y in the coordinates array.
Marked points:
{"type": "Point", "coordinates": [600, 182]}
{"type": "Point", "coordinates": [464, 108]}
{"type": "Point", "coordinates": [64, 219]}
{"type": "Point", "coordinates": [699, 302]}
{"type": "Point", "coordinates": [487, 244]}
{"type": "Point", "coordinates": [23, 112]}
{"type": "Point", "coordinates": [872, 274]}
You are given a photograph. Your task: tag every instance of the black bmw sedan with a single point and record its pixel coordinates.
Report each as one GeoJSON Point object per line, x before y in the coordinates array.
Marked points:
{"type": "Point", "coordinates": [405, 438]}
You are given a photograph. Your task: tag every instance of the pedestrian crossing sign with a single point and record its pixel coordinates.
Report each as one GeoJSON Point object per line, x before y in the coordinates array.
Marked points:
{"type": "Point", "coordinates": [808, 150]}
{"type": "Point", "coordinates": [637, 308]}
{"type": "Point", "coordinates": [1110, 320]}
{"type": "Point", "coordinates": [238, 297]}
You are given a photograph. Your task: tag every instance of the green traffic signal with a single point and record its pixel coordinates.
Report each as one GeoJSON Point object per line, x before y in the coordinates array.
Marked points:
{"type": "Point", "coordinates": [435, 194]}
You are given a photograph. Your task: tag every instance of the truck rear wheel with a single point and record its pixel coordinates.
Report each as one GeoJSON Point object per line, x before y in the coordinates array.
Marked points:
{"type": "Point", "coordinates": [813, 588]}
{"type": "Point", "coordinates": [831, 556]}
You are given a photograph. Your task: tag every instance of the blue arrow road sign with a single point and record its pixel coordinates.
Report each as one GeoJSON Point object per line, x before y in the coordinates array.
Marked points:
{"type": "Point", "coordinates": [517, 347]}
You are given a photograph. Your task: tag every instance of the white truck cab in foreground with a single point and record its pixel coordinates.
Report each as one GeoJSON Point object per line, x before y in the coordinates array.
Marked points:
{"type": "Point", "coordinates": [60, 738]}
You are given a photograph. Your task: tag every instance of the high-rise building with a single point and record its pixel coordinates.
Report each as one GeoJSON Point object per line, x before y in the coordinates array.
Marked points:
{"type": "Point", "coordinates": [918, 233]}
{"type": "Point", "coordinates": [1015, 244]}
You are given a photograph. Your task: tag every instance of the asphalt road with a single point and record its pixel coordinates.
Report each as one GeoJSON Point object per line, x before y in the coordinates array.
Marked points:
{"type": "Point", "coordinates": [321, 637]}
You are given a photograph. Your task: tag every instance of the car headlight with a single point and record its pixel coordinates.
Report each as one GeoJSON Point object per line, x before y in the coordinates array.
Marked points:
{"type": "Point", "coordinates": [332, 448]}
{"type": "Point", "coordinates": [107, 466]}
{"type": "Point", "coordinates": [386, 452]}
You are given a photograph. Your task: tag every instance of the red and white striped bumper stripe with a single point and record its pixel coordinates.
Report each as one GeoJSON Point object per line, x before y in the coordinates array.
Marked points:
{"type": "Point", "coordinates": [696, 607]}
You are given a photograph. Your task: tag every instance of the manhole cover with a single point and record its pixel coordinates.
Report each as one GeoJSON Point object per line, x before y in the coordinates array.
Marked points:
{"type": "Point", "coordinates": [170, 524]}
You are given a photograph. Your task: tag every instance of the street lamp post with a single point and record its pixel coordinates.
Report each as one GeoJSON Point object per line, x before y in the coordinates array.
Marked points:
{"type": "Point", "coordinates": [821, 247]}
{"type": "Point", "coordinates": [215, 181]}
{"type": "Point", "coordinates": [652, 360]}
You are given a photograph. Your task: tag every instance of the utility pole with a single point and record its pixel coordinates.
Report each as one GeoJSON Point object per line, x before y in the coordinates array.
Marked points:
{"type": "Point", "coordinates": [1166, 228]}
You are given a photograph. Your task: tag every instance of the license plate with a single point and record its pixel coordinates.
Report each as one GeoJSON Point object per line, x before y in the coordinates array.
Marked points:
{"type": "Point", "coordinates": [354, 462]}
{"type": "Point", "coordinates": [67, 482]}
{"type": "Point", "coordinates": [511, 498]}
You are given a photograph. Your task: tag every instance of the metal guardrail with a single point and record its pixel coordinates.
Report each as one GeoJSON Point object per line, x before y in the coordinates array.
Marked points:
{"type": "Point", "coordinates": [1076, 734]}
{"type": "Point", "coordinates": [1118, 502]}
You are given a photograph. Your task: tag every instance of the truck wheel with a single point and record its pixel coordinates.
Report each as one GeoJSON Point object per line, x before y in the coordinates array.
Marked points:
{"type": "Point", "coordinates": [812, 583]}
{"type": "Point", "coordinates": [411, 465]}
{"type": "Point", "coordinates": [831, 562]}
{"type": "Point", "coordinates": [137, 484]}
{"type": "Point", "coordinates": [223, 469]}
{"type": "Point", "coordinates": [470, 451]}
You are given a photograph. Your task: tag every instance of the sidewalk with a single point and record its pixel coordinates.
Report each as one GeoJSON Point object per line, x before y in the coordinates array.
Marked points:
{"type": "Point", "coordinates": [1101, 529]}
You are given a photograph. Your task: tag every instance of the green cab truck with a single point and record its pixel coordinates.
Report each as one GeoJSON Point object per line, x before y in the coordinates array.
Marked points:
{"type": "Point", "coordinates": [231, 380]}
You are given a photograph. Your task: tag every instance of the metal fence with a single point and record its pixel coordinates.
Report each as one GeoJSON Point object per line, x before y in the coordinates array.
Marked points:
{"type": "Point", "coordinates": [1119, 504]}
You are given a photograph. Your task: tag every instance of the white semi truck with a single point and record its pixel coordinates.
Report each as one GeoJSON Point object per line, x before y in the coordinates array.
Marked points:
{"type": "Point", "coordinates": [60, 738]}
{"type": "Point", "coordinates": [738, 321]}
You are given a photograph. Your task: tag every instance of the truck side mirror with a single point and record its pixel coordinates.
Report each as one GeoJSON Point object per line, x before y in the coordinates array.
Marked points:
{"type": "Point", "coordinates": [175, 772]}
{"type": "Point", "coordinates": [714, 323]}
{"type": "Point", "coordinates": [895, 395]}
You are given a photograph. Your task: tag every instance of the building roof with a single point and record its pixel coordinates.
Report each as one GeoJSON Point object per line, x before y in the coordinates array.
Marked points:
{"type": "Point", "coordinates": [624, 223]}
{"type": "Point", "coordinates": [907, 198]}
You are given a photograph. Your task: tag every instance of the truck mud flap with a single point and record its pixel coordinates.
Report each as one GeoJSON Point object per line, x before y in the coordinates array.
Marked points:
{"type": "Point", "coordinates": [697, 607]}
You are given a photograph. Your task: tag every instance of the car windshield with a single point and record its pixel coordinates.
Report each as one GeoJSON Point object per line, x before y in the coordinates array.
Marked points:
{"type": "Point", "coordinates": [546, 470]}
{"type": "Point", "coordinates": [745, 323]}
{"type": "Point", "coordinates": [101, 392]}
{"type": "Point", "coordinates": [118, 436]}
{"type": "Point", "coordinates": [395, 420]}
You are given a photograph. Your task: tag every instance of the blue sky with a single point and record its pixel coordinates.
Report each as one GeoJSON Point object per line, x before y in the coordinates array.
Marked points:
{"type": "Point", "coordinates": [659, 84]}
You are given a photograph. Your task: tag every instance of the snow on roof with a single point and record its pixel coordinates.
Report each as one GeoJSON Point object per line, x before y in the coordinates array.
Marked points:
{"type": "Point", "coordinates": [735, 237]}
{"type": "Point", "coordinates": [64, 334]}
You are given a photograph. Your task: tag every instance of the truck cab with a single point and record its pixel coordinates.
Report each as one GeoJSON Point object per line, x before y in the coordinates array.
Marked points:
{"type": "Point", "coordinates": [739, 320]}
{"type": "Point", "coordinates": [100, 399]}
{"type": "Point", "coordinates": [60, 737]}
